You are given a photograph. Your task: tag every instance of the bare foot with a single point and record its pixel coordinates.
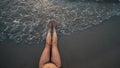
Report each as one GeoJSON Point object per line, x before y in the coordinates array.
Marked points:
{"type": "Point", "coordinates": [52, 22]}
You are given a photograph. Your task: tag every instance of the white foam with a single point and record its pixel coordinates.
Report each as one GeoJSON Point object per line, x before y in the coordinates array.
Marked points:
{"type": "Point", "coordinates": [27, 20]}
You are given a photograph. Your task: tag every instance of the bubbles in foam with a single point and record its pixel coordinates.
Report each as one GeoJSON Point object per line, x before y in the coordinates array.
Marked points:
{"type": "Point", "coordinates": [25, 21]}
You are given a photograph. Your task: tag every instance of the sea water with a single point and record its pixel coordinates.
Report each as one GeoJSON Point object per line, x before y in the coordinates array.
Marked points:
{"type": "Point", "coordinates": [25, 21]}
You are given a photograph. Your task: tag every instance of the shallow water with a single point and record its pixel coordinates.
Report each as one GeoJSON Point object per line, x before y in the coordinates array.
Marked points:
{"type": "Point", "coordinates": [25, 21]}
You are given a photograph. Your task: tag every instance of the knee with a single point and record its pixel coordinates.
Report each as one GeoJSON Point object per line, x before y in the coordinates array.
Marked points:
{"type": "Point", "coordinates": [54, 42]}
{"type": "Point", "coordinates": [47, 43]}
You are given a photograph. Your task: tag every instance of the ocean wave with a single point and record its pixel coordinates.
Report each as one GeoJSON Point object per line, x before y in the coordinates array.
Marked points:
{"type": "Point", "coordinates": [25, 21]}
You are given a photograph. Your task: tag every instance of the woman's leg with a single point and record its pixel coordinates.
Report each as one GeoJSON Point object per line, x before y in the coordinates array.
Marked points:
{"type": "Point", "coordinates": [55, 57]}
{"type": "Point", "coordinates": [45, 57]}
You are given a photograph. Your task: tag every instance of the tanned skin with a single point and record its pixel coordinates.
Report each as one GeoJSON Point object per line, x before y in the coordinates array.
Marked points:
{"type": "Point", "coordinates": [50, 57]}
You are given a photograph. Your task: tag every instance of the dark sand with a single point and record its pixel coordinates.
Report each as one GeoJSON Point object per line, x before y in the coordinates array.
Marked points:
{"type": "Point", "coordinates": [96, 47]}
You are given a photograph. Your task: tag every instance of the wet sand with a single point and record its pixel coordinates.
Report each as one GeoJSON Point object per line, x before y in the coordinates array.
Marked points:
{"type": "Point", "coordinates": [96, 47]}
